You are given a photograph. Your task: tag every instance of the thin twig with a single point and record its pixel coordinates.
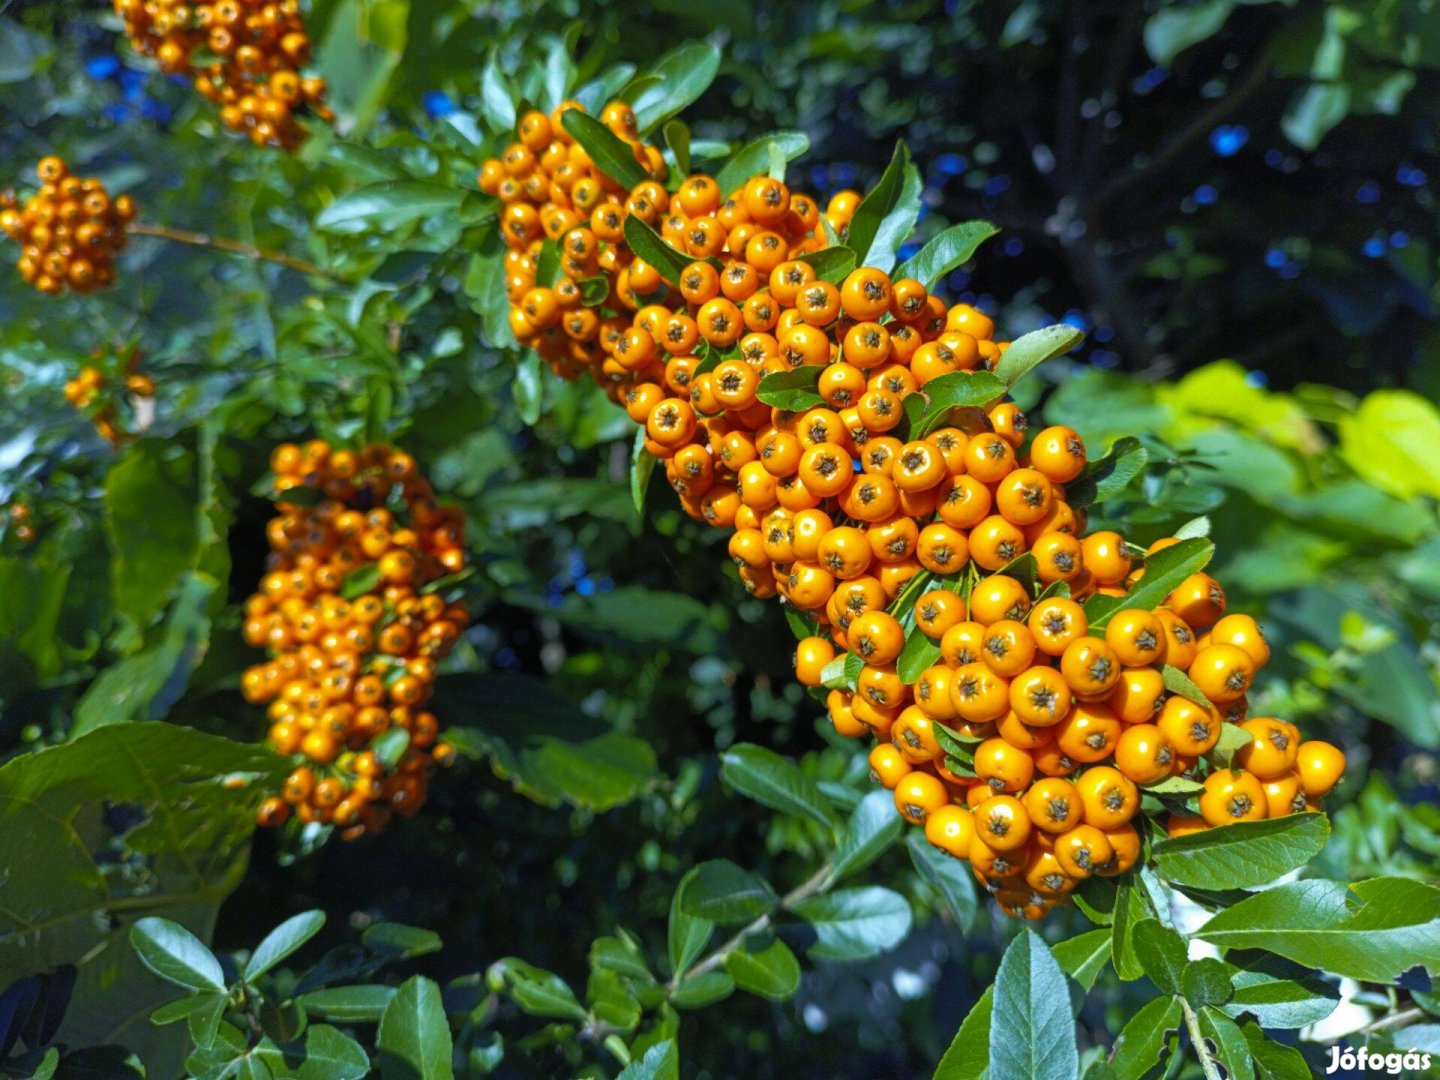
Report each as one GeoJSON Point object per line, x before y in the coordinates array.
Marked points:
{"type": "Point", "coordinates": [1207, 1059]}
{"type": "Point", "coordinates": [220, 243]}
{"type": "Point", "coordinates": [1400, 1019]}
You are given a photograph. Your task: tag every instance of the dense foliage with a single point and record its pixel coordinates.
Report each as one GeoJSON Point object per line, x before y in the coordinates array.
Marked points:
{"type": "Point", "coordinates": [654, 856]}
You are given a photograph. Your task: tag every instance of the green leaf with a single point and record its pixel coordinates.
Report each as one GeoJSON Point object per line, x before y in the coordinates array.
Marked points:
{"type": "Point", "coordinates": [774, 781]}
{"type": "Point", "coordinates": [753, 159]}
{"type": "Point", "coordinates": [1174, 785]}
{"type": "Point", "coordinates": [917, 654]}
{"type": "Point", "coordinates": [1273, 1061]}
{"type": "Point", "coordinates": [151, 523]}
{"type": "Point", "coordinates": [1233, 738]}
{"type": "Point", "coordinates": [1029, 351]}
{"type": "Point", "coordinates": [362, 580]}
{"type": "Point", "coordinates": [1242, 855]}
{"type": "Point", "coordinates": [389, 206]}
{"type": "Point", "coordinates": [688, 934]}
{"type": "Point", "coordinates": [1106, 477]}
{"type": "Point", "coordinates": [1084, 956]}
{"type": "Point", "coordinates": [145, 686]}
{"type": "Point", "coordinates": [1032, 1032]}
{"type": "Point", "coordinates": [792, 390]}
{"type": "Point", "coordinates": [1130, 909]}
{"type": "Point", "coordinates": [413, 1040]}
{"type": "Point", "coordinates": [642, 466]}
{"type": "Point", "coordinates": [959, 389]}
{"type": "Point", "coordinates": [947, 875]}
{"type": "Point", "coordinates": [396, 941]}
{"type": "Point", "coordinates": [1206, 981]}
{"type": "Point", "coordinates": [327, 1053]}
{"type": "Point", "coordinates": [1161, 952]}
{"type": "Point", "coordinates": [176, 955]}
{"type": "Point", "coordinates": [945, 252]}
{"type": "Point", "coordinates": [723, 893]}
{"type": "Point", "coordinates": [832, 264]}
{"type": "Point", "coordinates": [282, 941]}
{"type": "Point", "coordinates": [1373, 930]}
{"type": "Point", "coordinates": [768, 970]}
{"type": "Point", "coordinates": [968, 1057]}
{"type": "Point", "coordinates": [361, 1004]}
{"type": "Point", "coordinates": [1277, 993]}
{"type": "Point", "coordinates": [872, 830]}
{"type": "Point", "coordinates": [855, 924]}
{"type": "Point", "coordinates": [1231, 1048]}
{"type": "Point", "coordinates": [677, 138]}
{"type": "Point", "coordinates": [1172, 30]}
{"type": "Point", "coordinates": [646, 243]}
{"type": "Point", "coordinates": [683, 75]}
{"type": "Point", "coordinates": [897, 225]}
{"type": "Point", "coordinates": [537, 991]}
{"type": "Point", "coordinates": [485, 285]}
{"type": "Point", "coordinates": [1164, 571]}
{"type": "Point", "coordinates": [24, 53]}
{"type": "Point", "coordinates": [841, 673]}
{"type": "Point", "coordinates": [1177, 682]}
{"type": "Point", "coordinates": [661, 1062]}
{"type": "Point", "coordinates": [611, 154]}
{"type": "Point", "coordinates": [702, 990]}
{"type": "Point", "coordinates": [1140, 1045]}
{"type": "Point", "coordinates": [183, 1007]}
{"type": "Point", "coordinates": [1393, 442]}
{"type": "Point", "coordinates": [528, 389]}
{"type": "Point", "coordinates": [878, 203]}
{"type": "Point", "coordinates": [496, 102]}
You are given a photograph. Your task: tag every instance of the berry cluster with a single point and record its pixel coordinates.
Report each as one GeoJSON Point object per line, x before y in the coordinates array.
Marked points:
{"type": "Point", "coordinates": [70, 230]}
{"type": "Point", "coordinates": [354, 629]}
{"type": "Point", "coordinates": [258, 48]}
{"type": "Point", "coordinates": [17, 520]}
{"type": "Point", "coordinates": [98, 393]}
{"type": "Point", "coordinates": [1026, 745]}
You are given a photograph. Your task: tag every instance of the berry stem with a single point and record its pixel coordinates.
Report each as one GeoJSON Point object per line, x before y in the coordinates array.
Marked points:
{"type": "Point", "coordinates": [816, 883]}
{"type": "Point", "coordinates": [1197, 1040]}
{"type": "Point", "coordinates": [220, 243]}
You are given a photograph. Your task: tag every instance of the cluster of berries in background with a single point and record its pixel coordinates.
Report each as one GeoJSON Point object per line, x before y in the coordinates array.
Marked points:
{"type": "Point", "coordinates": [1026, 744]}
{"type": "Point", "coordinates": [244, 55]}
{"type": "Point", "coordinates": [352, 615]}
{"type": "Point", "coordinates": [69, 231]}
{"type": "Point", "coordinates": [17, 520]}
{"type": "Point", "coordinates": [108, 389]}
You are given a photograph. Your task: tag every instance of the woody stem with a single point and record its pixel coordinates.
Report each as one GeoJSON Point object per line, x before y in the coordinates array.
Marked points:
{"type": "Point", "coordinates": [220, 243]}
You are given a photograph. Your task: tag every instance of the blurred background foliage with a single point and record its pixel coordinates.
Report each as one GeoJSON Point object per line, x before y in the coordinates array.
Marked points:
{"type": "Point", "coordinates": [1236, 202]}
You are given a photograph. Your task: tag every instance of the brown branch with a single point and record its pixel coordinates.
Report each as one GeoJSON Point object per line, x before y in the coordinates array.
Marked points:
{"type": "Point", "coordinates": [220, 243]}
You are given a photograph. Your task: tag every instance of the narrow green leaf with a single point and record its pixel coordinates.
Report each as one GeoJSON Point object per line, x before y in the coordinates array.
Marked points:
{"type": "Point", "coordinates": [661, 1062]}
{"type": "Point", "coordinates": [358, 582]}
{"type": "Point", "coordinates": [948, 876]}
{"type": "Point", "coordinates": [1177, 682]}
{"type": "Point", "coordinates": [537, 991]}
{"type": "Point", "coordinates": [688, 934]}
{"type": "Point", "coordinates": [389, 205]}
{"type": "Point", "coordinates": [646, 243]}
{"type": "Point", "coordinates": [872, 830]}
{"type": "Point", "coordinates": [1161, 952]}
{"type": "Point", "coordinates": [1084, 956]}
{"type": "Point", "coordinates": [1140, 1045]}
{"type": "Point", "coordinates": [1230, 1045]}
{"type": "Point", "coordinates": [611, 154]}
{"type": "Point", "coordinates": [878, 203]}
{"type": "Point", "coordinates": [774, 781]}
{"type": "Point", "coordinates": [677, 137]}
{"type": "Point", "coordinates": [702, 990]}
{"type": "Point", "coordinates": [682, 75]}
{"type": "Point", "coordinates": [968, 1057]}
{"type": "Point", "coordinates": [642, 466]}
{"type": "Point", "coordinates": [959, 389]}
{"type": "Point", "coordinates": [753, 159]}
{"type": "Point", "coordinates": [495, 100]}
{"type": "Point", "coordinates": [361, 1004]}
{"type": "Point", "coordinates": [1164, 571]}
{"type": "Point", "coordinates": [897, 225]}
{"type": "Point", "coordinates": [1107, 477]}
{"type": "Point", "coordinates": [282, 941]}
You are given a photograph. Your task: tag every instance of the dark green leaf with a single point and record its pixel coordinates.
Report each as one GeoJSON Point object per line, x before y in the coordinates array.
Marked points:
{"type": "Point", "coordinates": [878, 203]}
{"type": "Point", "coordinates": [414, 1037]}
{"type": "Point", "coordinates": [947, 875]}
{"type": "Point", "coordinates": [1206, 981]}
{"type": "Point", "coordinates": [1161, 952]}
{"type": "Point", "coordinates": [361, 1004]}
{"type": "Point", "coordinates": [1242, 855]}
{"type": "Point", "coordinates": [1141, 1043]}
{"type": "Point", "coordinates": [647, 244]}
{"type": "Point", "coordinates": [1164, 571]}
{"type": "Point", "coordinates": [358, 582]}
{"type": "Point", "coordinates": [1231, 1049]}
{"type": "Point", "coordinates": [611, 154]}
{"type": "Point", "coordinates": [774, 781]}
{"type": "Point", "coordinates": [831, 264]}
{"type": "Point", "coordinates": [1107, 477]}
{"type": "Point", "coordinates": [1130, 909]}
{"type": "Point", "coordinates": [724, 893]}
{"type": "Point", "coordinates": [537, 991]}
{"type": "Point", "coordinates": [968, 1057]}
{"type": "Point", "coordinates": [683, 75]}
{"type": "Point", "coordinates": [1277, 993]}
{"type": "Point", "coordinates": [871, 831]}
{"type": "Point", "coordinates": [688, 934]}
{"type": "Point", "coordinates": [151, 496]}
{"type": "Point", "coordinates": [677, 138]}
{"type": "Point", "coordinates": [1083, 957]}
{"type": "Point", "coordinates": [703, 990]}
{"type": "Point", "coordinates": [896, 227]}
{"type": "Point", "coordinates": [1273, 1061]}
{"type": "Point", "coordinates": [642, 466]}
{"type": "Point", "coordinates": [959, 389]}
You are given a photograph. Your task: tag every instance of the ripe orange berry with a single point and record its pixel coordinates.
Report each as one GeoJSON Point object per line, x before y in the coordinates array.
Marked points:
{"type": "Point", "coordinates": [1232, 796]}
{"type": "Point", "coordinates": [918, 794]}
{"type": "Point", "coordinates": [1320, 766]}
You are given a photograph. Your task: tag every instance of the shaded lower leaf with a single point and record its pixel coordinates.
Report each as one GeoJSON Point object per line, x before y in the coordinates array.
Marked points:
{"type": "Point", "coordinates": [769, 969]}
{"type": "Point", "coordinates": [855, 924]}
{"type": "Point", "coordinates": [413, 1040]}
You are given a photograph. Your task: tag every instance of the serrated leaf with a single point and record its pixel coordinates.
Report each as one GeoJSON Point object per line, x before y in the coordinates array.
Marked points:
{"type": "Point", "coordinates": [792, 390]}
{"type": "Point", "coordinates": [774, 781]}
{"type": "Point", "coordinates": [611, 154]}
{"type": "Point", "coordinates": [1027, 352]}
{"type": "Point", "coordinates": [1032, 1032]}
{"type": "Point", "coordinates": [1242, 855]}
{"type": "Point", "coordinates": [1373, 930]}
{"type": "Point", "coordinates": [945, 252]}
